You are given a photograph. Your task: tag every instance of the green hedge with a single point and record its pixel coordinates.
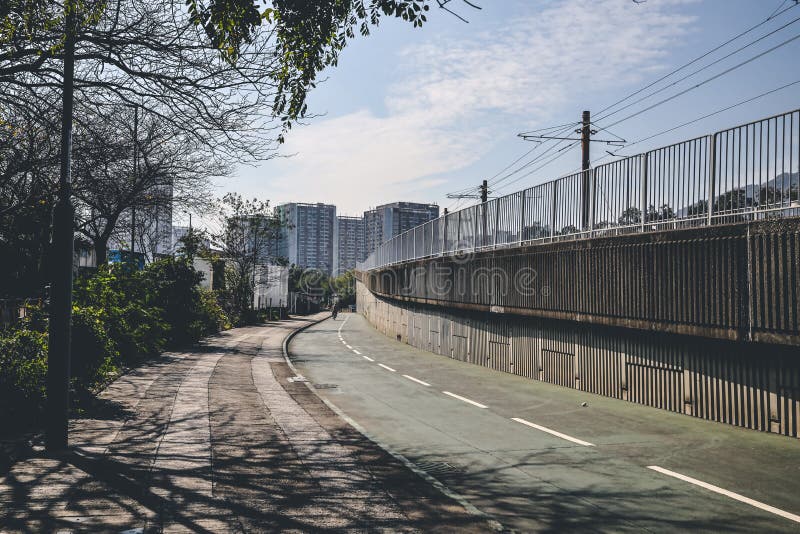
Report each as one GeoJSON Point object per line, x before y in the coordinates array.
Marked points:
{"type": "Point", "coordinates": [119, 317]}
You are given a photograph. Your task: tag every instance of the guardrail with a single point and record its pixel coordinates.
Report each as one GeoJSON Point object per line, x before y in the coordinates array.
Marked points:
{"type": "Point", "coordinates": [747, 172]}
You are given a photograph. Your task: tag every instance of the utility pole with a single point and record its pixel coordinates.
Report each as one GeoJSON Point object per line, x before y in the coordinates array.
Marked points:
{"type": "Point", "coordinates": [586, 133]}
{"type": "Point", "coordinates": [586, 140]}
{"type": "Point", "coordinates": [484, 191]}
{"type": "Point", "coordinates": [59, 338]}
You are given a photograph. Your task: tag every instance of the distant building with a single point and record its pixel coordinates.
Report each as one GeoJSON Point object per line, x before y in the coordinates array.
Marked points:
{"type": "Point", "coordinates": [271, 287]}
{"type": "Point", "coordinates": [179, 232]}
{"type": "Point", "coordinates": [153, 235]}
{"type": "Point", "coordinates": [308, 235]}
{"type": "Point", "coordinates": [348, 244]}
{"type": "Point", "coordinates": [389, 220]}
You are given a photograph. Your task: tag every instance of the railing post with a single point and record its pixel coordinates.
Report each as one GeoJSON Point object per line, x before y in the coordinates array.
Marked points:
{"type": "Point", "coordinates": [593, 185]}
{"type": "Point", "coordinates": [643, 193]}
{"type": "Point", "coordinates": [712, 176]}
{"type": "Point", "coordinates": [553, 214]}
{"type": "Point", "coordinates": [475, 233]}
{"type": "Point", "coordinates": [522, 217]}
{"type": "Point", "coordinates": [458, 231]}
{"type": "Point", "coordinates": [496, 219]}
{"type": "Point", "coordinates": [444, 233]}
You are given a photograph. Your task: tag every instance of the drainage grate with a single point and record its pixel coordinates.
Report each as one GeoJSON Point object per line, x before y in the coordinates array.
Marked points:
{"type": "Point", "coordinates": [438, 468]}
{"type": "Point", "coordinates": [326, 386]}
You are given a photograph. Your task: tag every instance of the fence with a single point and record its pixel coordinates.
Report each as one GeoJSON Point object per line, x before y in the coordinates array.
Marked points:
{"type": "Point", "coordinates": [747, 172]}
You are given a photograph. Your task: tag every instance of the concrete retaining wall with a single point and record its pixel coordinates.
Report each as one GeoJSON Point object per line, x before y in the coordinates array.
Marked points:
{"type": "Point", "coordinates": [753, 385]}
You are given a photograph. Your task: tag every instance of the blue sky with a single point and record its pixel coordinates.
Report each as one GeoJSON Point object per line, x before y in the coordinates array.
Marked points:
{"type": "Point", "coordinates": [412, 114]}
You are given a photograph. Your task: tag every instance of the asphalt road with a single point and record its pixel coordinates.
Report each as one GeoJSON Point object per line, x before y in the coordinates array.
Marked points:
{"type": "Point", "coordinates": [531, 456]}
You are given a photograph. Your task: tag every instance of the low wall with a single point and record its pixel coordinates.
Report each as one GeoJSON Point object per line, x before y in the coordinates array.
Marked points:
{"type": "Point", "coordinates": [753, 385]}
{"type": "Point", "coordinates": [737, 282]}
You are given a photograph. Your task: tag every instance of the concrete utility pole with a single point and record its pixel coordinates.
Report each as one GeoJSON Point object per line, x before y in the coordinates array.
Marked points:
{"type": "Point", "coordinates": [59, 338]}
{"type": "Point", "coordinates": [586, 140]}
{"type": "Point", "coordinates": [484, 191]}
{"type": "Point", "coordinates": [586, 135]}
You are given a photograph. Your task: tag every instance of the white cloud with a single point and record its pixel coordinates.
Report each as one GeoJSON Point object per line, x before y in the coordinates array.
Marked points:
{"type": "Point", "coordinates": [456, 93]}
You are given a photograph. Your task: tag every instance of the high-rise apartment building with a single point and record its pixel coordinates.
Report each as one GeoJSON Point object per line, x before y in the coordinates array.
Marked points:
{"type": "Point", "coordinates": [348, 244]}
{"type": "Point", "coordinates": [308, 234]}
{"type": "Point", "coordinates": [389, 220]}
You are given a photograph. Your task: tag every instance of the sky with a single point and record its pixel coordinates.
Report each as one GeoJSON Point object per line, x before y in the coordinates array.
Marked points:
{"type": "Point", "coordinates": [411, 114]}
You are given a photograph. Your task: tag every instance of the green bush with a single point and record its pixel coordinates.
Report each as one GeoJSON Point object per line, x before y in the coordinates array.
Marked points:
{"type": "Point", "coordinates": [23, 373]}
{"type": "Point", "coordinates": [137, 329]}
{"type": "Point", "coordinates": [94, 353]}
{"type": "Point", "coordinates": [190, 311]}
{"type": "Point", "coordinates": [118, 317]}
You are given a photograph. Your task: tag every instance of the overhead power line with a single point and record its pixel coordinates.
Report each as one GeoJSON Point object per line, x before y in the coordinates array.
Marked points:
{"type": "Point", "coordinates": [679, 80]}
{"type": "Point", "coordinates": [698, 58]}
{"type": "Point", "coordinates": [703, 117]}
{"type": "Point", "coordinates": [707, 80]}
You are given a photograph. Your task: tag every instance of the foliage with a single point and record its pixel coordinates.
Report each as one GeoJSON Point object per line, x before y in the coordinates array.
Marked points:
{"type": "Point", "coordinates": [23, 372]}
{"type": "Point", "coordinates": [344, 286]}
{"type": "Point", "coordinates": [248, 241]}
{"type": "Point", "coordinates": [173, 285]}
{"type": "Point", "coordinates": [310, 36]}
{"type": "Point", "coordinates": [138, 329]}
{"type": "Point", "coordinates": [94, 353]}
{"type": "Point", "coordinates": [119, 316]}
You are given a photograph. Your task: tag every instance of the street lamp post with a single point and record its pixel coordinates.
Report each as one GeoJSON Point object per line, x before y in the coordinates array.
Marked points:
{"type": "Point", "coordinates": [58, 352]}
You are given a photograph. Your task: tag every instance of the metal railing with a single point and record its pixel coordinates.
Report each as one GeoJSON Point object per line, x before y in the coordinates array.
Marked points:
{"type": "Point", "coordinates": [747, 172]}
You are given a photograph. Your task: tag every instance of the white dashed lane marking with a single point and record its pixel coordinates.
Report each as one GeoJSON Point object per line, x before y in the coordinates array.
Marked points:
{"type": "Point", "coordinates": [367, 358]}
{"type": "Point", "coordinates": [387, 367]}
{"type": "Point", "coordinates": [553, 432]}
{"type": "Point", "coordinates": [354, 350]}
{"type": "Point", "coordinates": [417, 380]}
{"type": "Point", "coordinates": [732, 495]}
{"type": "Point", "coordinates": [468, 401]}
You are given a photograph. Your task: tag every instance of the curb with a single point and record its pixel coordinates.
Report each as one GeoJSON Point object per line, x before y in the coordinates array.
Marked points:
{"type": "Point", "coordinates": [495, 525]}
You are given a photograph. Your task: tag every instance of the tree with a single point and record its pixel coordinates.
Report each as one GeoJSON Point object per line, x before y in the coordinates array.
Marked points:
{"type": "Point", "coordinates": [159, 170]}
{"type": "Point", "coordinates": [246, 244]}
{"type": "Point", "coordinates": [344, 286]}
{"type": "Point", "coordinates": [631, 215]}
{"type": "Point", "coordinates": [144, 53]}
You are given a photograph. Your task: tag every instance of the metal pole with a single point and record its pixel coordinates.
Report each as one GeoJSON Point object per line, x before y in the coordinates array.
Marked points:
{"type": "Point", "coordinates": [135, 177]}
{"type": "Point", "coordinates": [712, 177]}
{"type": "Point", "coordinates": [59, 340]}
{"type": "Point", "coordinates": [586, 133]}
{"type": "Point", "coordinates": [643, 192]}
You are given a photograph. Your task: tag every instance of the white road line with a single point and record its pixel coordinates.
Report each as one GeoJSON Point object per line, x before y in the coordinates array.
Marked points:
{"type": "Point", "coordinates": [354, 350]}
{"type": "Point", "coordinates": [387, 367]}
{"type": "Point", "coordinates": [732, 495]}
{"type": "Point", "coordinates": [344, 342]}
{"type": "Point", "coordinates": [417, 380]}
{"type": "Point", "coordinates": [367, 358]}
{"type": "Point", "coordinates": [348, 346]}
{"type": "Point", "coordinates": [553, 432]}
{"type": "Point", "coordinates": [459, 397]}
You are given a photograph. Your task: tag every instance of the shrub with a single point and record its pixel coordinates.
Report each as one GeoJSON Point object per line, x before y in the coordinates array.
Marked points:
{"type": "Point", "coordinates": [190, 311]}
{"type": "Point", "coordinates": [23, 373]}
{"type": "Point", "coordinates": [94, 353]}
{"type": "Point", "coordinates": [137, 329]}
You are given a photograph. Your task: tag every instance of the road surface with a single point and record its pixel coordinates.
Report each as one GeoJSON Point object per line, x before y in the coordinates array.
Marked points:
{"type": "Point", "coordinates": [535, 458]}
{"type": "Point", "coordinates": [219, 439]}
